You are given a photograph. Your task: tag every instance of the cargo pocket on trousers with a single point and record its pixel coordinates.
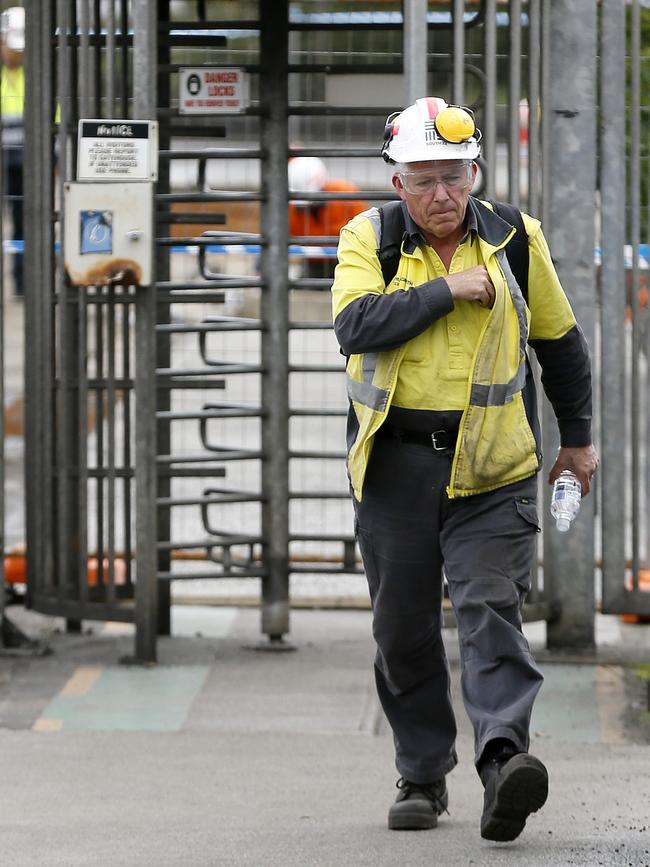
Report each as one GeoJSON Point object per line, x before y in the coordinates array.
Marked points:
{"type": "Point", "coordinates": [522, 561]}
{"type": "Point", "coordinates": [528, 511]}
{"type": "Point", "coordinates": [367, 550]}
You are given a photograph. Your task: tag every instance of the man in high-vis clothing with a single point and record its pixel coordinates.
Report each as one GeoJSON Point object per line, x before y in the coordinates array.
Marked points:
{"type": "Point", "coordinates": [443, 452]}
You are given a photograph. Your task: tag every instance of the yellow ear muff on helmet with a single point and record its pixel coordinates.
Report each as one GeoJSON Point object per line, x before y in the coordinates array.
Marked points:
{"type": "Point", "coordinates": [455, 124]}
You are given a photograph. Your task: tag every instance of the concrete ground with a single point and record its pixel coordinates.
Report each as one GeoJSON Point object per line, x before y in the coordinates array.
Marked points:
{"type": "Point", "coordinates": [227, 754]}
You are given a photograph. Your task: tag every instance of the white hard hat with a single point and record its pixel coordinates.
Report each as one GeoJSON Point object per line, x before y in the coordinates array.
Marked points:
{"type": "Point", "coordinates": [431, 130]}
{"type": "Point", "coordinates": [12, 28]}
{"type": "Point", "coordinates": [307, 174]}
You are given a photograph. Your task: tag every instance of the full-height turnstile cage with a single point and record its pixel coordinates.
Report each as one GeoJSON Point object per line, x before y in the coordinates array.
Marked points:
{"type": "Point", "coordinates": [237, 430]}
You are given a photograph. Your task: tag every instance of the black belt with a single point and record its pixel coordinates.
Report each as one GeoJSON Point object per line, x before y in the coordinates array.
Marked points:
{"type": "Point", "coordinates": [438, 440]}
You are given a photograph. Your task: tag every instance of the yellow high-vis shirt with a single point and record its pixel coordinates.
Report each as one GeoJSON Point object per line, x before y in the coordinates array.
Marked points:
{"type": "Point", "coordinates": [12, 93]}
{"type": "Point", "coordinates": [442, 355]}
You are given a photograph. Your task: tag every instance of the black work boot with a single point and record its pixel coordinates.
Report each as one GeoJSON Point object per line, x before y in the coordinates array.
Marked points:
{"type": "Point", "coordinates": [516, 785]}
{"type": "Point", "coordinates": [418, 805]}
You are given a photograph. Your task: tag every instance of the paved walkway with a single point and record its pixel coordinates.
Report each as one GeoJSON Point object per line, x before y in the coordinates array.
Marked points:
{"type": "Point", "coordinates": [224, 754]}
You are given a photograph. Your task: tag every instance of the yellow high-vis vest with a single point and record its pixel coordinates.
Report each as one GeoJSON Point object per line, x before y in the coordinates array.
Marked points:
{"type": "Point", "coordinates": [495, 444]}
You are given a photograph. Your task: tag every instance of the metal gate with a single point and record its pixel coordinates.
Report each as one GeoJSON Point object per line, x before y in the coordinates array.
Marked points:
{"type": "Point", "coordinates": [624, 345]}
{"type": "Point", "coordinates": [220, 387]}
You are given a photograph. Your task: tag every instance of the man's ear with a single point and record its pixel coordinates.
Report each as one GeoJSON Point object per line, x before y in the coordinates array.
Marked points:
{"type": "Point", "coordinates": [397, 183]}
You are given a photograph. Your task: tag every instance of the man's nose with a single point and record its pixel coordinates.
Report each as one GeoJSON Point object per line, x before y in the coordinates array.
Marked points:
{"type": "Point", "coordinates": [440, 193]}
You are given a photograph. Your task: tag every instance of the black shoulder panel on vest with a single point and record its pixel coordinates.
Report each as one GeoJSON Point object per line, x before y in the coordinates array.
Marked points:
{"type": "Point", "coordinates": [390, 246]}
{"type": "Point", "coordinates": [392, 234]}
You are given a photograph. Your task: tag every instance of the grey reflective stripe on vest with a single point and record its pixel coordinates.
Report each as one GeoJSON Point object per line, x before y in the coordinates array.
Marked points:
{"type": "Point", "coordinates": [365, 392]}
{"type": "Point", "coordinates": [517, 300]}
{"type": "Point", "coordinates": [500, 393]}
{"type": "Point", "coordinates": [375, 221]}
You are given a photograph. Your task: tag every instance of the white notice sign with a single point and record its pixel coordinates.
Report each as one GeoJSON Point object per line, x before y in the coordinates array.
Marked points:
{"type": "Point", "coordinates": [117, 150]}
{"type": "Point", "coordinates": [212, 91]}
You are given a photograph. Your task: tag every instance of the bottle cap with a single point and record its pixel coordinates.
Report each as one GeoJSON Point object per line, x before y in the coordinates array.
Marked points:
{"type": "Point", "coordinates": [563, 523]}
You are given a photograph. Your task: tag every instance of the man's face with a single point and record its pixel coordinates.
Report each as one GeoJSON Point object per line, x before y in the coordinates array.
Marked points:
{"type": "Point", "coordinates": [437, 208]}
{"type": "Point", "coordinates": [11, 58]}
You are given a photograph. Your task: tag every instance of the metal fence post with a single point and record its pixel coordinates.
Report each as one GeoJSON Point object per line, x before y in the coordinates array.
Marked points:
{"type": "Point", "coordinates": [275, 317]}
{"type": "Point", "coordinates": [612, 278]}
{"type": "Point", "coordinates": [39, 272]}
{"type": "Point", "coordinates": [571, 184]}
{"type": "Point", "coordinates": [415, 50]}
{"type": "Point", "coordinates": [146, 592]}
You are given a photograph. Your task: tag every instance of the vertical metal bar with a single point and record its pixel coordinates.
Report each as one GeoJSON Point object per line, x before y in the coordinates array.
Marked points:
{"type": "Point", "coordinates": [164, 348]}
{"type": "Point", "coordinates": [572, 183]}
{"type": "Point", "coordinates": [48, 273]}
{"type": "Point", "coordinates": [534, 73]}
{"type": "Point", "coordinates": [110, 59]}
{"type": "Point", "coordinates": [2, 373]}
{"type": "Point", "coordinates": [124, 67]}
{"type": "Point", "coordinates": [146, 596]}
{"type": "Point", "coordinates": [612, 298]}
{"type": "Point", "coordinates": [645, 410]}
{"type": "Point", "coordinates": [99, 426]}
{"type": "Point", "coordinates": [545, 100]}
{"type": "Point", "coordinates": [35, 240]}
{"type": "Point", "coordinates": [39, 282]}
{"type": "Point", "coordinates": [85, 72]}
{"type": "Point", "coordinates": [71, 569]}
{"type": "Point", "coordinates": [144, 106]}
{"type": "Point", "coordinates": [635, 231]}
{"type": "Point", "coordinates": [97, 59]}
{"type": "Point", "coordinates": [126, 443]}
{"type": "Point", "coordinates": [275, 314]}
{"type": "Point", "coordinates": [110, 407]}
{"type": "Point", "coordinates": [547, 418]}
{"type": "Point", "coordinates": [646, 414]}
{"type": "Point", "coordinates": [73, 83]}
{"type": "Point", "coordinates": [490, 124]}
{"type": "Point", "coordinates": [458, 84]}
{"type": "Point", "coordinates": [514, 95]}
{"type": "Point", "coordinates": [73, 447]}
{"type": "Point", "coordinates": [81, 477]}
{"type": "Point", "coordinates": [415, 50]}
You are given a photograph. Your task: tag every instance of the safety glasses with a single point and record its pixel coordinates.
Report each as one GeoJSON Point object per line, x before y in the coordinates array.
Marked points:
{"type": "Point", "coordinates": [424, 181]}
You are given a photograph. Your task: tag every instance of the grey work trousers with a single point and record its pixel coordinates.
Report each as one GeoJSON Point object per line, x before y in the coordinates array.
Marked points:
{"type": "Point", "coordinates": [408, 531]}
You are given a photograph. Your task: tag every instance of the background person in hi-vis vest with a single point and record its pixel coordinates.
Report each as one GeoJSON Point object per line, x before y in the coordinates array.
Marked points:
{"type": "Point", "coordinates": [12, 101]}
{"type": "Point", "coordinates": [443, 455]}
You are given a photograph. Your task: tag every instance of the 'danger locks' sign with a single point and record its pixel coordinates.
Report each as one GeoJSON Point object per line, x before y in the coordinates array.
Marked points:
{"type": "Point", "coordinates": [204, 90]}
{"type": "Point", "coordinates": [117, 150]}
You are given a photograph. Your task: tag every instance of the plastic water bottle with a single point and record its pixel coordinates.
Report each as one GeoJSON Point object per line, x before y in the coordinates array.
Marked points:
{"type": "Point", "coordinates": [565, 502]}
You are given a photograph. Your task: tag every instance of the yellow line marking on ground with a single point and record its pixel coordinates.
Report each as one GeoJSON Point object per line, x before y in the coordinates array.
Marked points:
{"type": "Point", "coordinates": [82, 681]}
{"type": "Point", "coordinates": [47, 725]}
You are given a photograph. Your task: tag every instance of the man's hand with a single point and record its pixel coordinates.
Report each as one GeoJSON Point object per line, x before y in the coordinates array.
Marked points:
{"type": "Point", "coordinates": [581, 461]}
{"type": "Point", "coordinates": [472, 285]}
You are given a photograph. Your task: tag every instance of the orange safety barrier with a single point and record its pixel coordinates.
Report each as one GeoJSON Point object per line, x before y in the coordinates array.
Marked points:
{"type": "Point", "coordinates": [16, 569]}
